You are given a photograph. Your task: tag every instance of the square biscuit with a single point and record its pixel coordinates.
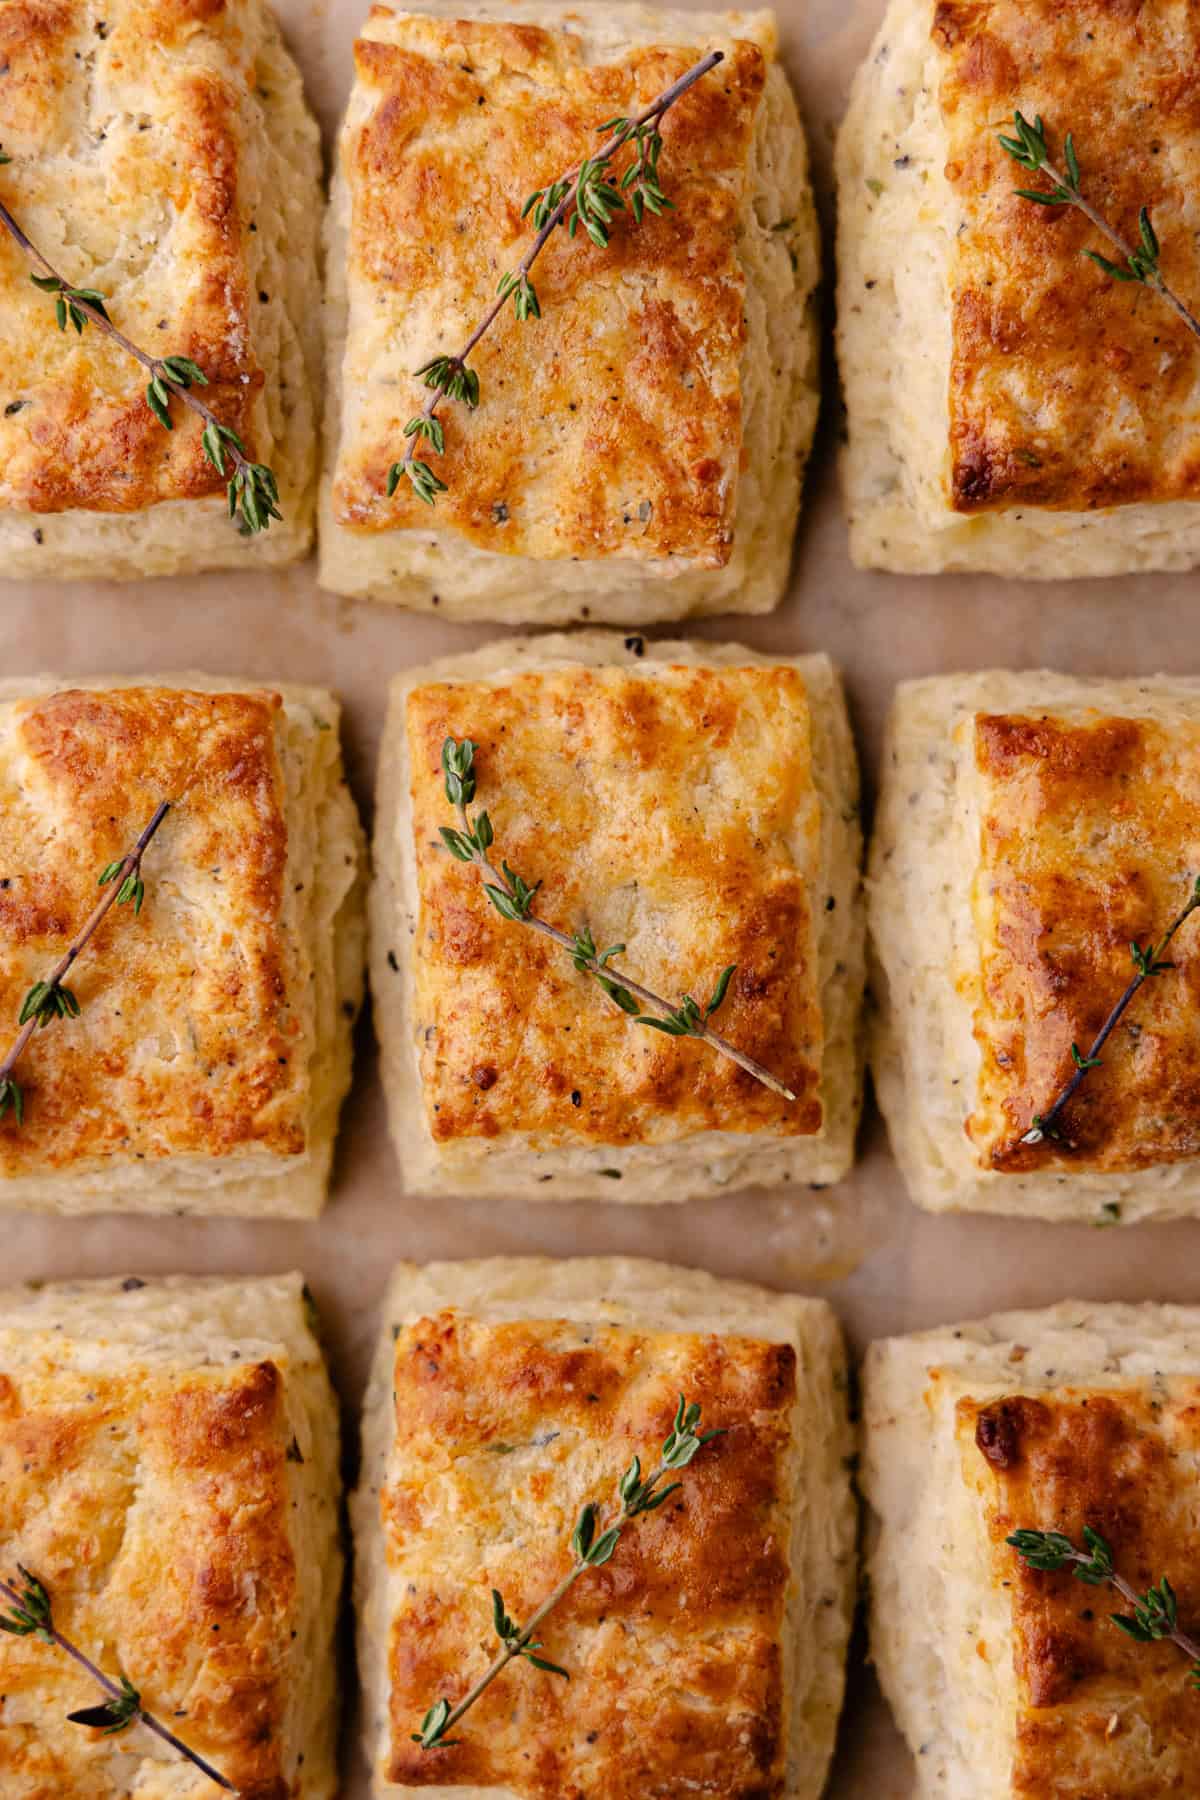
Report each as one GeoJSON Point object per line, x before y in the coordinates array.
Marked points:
{"type": "Point", "coordinates": [162, 154]}
{"type": "Point", "coordinates": [638, 449]}
{"type": "Point", "coordinates": [1030, 828]}
{"type": "Point", "coordinates": [1011, 407]}
{"type": "Point", "coordinates": [212, 1051]}
{"type": "Point", "coordinates": [169, 1473]}
{"type": "Point", "coordinates": [1008, 1682]}
{"type": "Point", "coordinates": [708, 1655]}
{"type": "Point", "coordinates": [695, 803]}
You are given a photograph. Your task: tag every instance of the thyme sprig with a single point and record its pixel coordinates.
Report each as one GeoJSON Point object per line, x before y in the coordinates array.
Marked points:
{"type": "Point", "coordinates": [251, 488]}
{"type": "Point", "coordinates": [513, 899]}
{"type": "Point", "coordinates": [32, 1616]}
{"type": "Point", "coordinates": [1154, 1615]}
{"type": "Point", "coordinates": [50, 999]}
{"type": "Point", "coordinates": [594, 1544]}
{"type": "Point", "coordinates": [584, 197]}
{"type": "Point", "coordinates": [1149, 960]}
{"type": "Point", "coordinates": [1140, 262]}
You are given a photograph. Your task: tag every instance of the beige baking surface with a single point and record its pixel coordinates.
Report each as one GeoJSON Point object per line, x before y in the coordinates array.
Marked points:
{"type": "Point", "coordinates": [914, 1270]}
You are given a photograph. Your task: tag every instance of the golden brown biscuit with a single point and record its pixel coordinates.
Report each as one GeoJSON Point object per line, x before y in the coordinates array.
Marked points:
{"type": "Point", "coordinates": [708, 1654]}
{"type": "Point", "coordinates": [1031, 827]}
{"type": "Point", "coordinates": [1088, 840]}
{"type": "Point", "coordinates": [695, 804]}
{"type": "Point", "coordinates": [1011, 407]}
{"type": "Point", "coordinates": [213, 1048]}
{"type": "Point", "coordinates": [169, 1472]}
{"type": "Point", "coordinates": [162, 154]}
{"type": "Point", "coordinates": [1008, 1682]}
{"type": "Point", "coordinates": [640, 444]}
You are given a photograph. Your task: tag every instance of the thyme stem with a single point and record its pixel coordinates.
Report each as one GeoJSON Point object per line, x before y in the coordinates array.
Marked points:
{"type": "Point", "coordinates": [98, 319]}
{"type": "Point", "coordinates": [49, 1632]}
{"type": "Point", "coordinates": [515, 1648]}
{"type": "Point", "coordinates": [121, 882]}
{"type": "Point", "coordinates": [1029, 149]}
{"type": "Point", "coordinates": [456, 365]}
{"type": "Point", "coordinates": [1148, 963]}
{"type": "Point", "coordinates": [1154, 1617]}
{"type": "Point", "coordinates": [594, 1545]}
{"type": "Point", "coordinates": [1189, 1645]}
{"type": "Point", "coordinates": [606, 971]}
{"type": "Point", "coordinates": [252, 486]}
{"type": "Point", "coordinates": [1118, 240]}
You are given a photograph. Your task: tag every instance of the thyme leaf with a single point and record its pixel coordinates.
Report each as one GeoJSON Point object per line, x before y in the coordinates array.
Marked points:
{"type": "Point", "coordinates": [31, 1614]}
{"type": "Point", "coordinates": [72, 305]}
{"type": "Point", "coordinates": [114, 1715]}
{"type": "Point", "coordinates": [510, 1636]}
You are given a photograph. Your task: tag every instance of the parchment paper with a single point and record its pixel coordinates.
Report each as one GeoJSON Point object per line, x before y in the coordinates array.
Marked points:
{"type": "Point", "coordinates": [886, 1267]}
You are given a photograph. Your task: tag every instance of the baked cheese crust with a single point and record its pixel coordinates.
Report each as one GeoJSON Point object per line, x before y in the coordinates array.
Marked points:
{"type": "Point", "coordinates": [640, 434]}
{"type": "Point", "coordinates": [1031, 827]}
{"type": "Point", "coordinates": [694, 804]}
{"type": "Point", "coordinates": [1010, 1682]}
{"type": "Point", "coordinates": [169, 1472]}
{"type": "Point", "coordinates": [161, 154]}
{"type": "Point", "coordinates": [707, 1655]}
{"type": "Point", "coordinates": [213, 1047]}
{"type": "Point", "coordinates": [1006, 397]}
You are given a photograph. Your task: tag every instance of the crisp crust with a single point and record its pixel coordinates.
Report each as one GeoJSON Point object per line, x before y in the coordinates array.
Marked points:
{"type": "Point", "coordinates": [1088, 828]}
{"type": "Point", "coordinates": [1012, 409]}
{"type": "Point", "coordinates": [209, 1037]}
{"type": "Point", "coordinates": [593, 783]}
{"type": "Point", "coordinates": [649, 432]}
{"type": "Point", "coordinates": [616, 426]}
{"type": "Point", "coordinates": [178, 1501]}
{"type": "Point", "coordinates": [630, 779]}
{"type": "Point", "coordinates": [1123, 1462]}
{"type": "Point", "coordinates": [1030, 827]}
{"type": "Point", "coordinates": [707, 1653]}
{"type": "Point", "coordinates": [161, 154]}
{"type": "Point", "coordinates": [1007, 1682]}
{"type": "Point", "coordinates": [1032, 319]}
